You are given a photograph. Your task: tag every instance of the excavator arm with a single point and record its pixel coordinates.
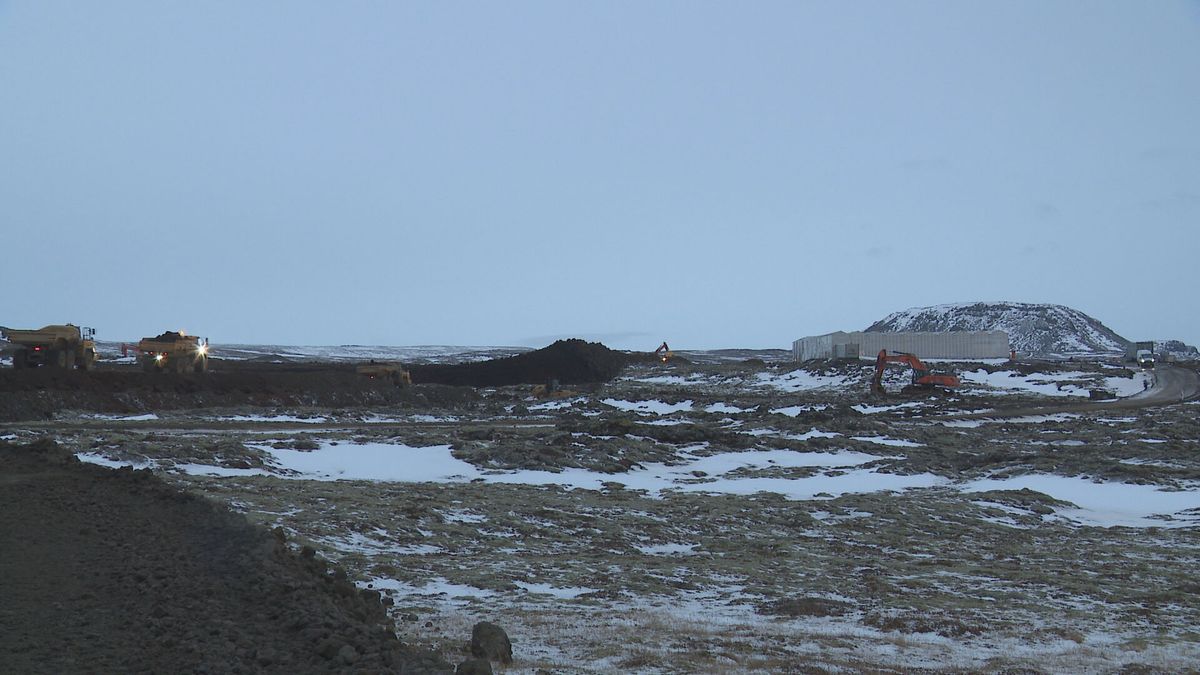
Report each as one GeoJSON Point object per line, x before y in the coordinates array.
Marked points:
{"type": "Point", "coordinates": [663, 352]}
{"type": "Point", "coordinates": [922, 376]}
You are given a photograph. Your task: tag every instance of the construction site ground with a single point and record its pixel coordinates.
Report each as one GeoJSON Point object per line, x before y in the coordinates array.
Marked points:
{"type": "Point", "coordinates": [733, 516]}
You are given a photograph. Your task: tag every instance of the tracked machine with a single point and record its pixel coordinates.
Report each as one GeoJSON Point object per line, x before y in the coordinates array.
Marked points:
{"type": "Point", "coordinates": [63, 346]}
{"type": "Point", "coordinates": [923, 379]}
{"type": "Point", "coordinates": [663, 353]}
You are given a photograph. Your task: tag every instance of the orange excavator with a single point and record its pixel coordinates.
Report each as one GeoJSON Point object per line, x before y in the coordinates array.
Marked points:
{"type": "Point", "coordinates": [922, 378]}
{"type": "Point", "coordinates": [663, 352]}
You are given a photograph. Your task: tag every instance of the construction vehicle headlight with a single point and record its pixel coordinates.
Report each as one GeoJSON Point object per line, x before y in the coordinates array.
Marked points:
{"type": "Point", "coordinates": [158, 357]}
{"type": "Point", "coordinates": [202, 350]}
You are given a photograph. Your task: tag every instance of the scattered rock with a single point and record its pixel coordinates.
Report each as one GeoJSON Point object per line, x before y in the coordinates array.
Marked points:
{"type": "Point", "coordinates": [489, 641]}
{"type": "Point", "coordinates": [474, 667]}
{"type": "Point", "coordinates": [348, 654]}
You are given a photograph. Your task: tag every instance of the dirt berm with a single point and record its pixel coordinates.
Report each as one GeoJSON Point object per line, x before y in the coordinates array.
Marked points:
{"type": "Point", "coordinates": [105, 571]}
{"type": "Point", "coordinates": [43, 393]}
{"type": "Point", "coordinates": [567, 361]}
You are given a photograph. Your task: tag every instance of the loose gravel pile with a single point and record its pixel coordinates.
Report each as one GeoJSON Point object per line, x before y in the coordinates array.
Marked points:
{"type": "Point", "coordinates": [114, 571]}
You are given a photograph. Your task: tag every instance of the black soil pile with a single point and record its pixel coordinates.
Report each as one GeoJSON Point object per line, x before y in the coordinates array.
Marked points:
{"type": "Point", "coordinates": [40, 393]}
{"type": "Point", "coordinates": [114, 571]}
{"type": "Point", "coordinates": [566, 361]}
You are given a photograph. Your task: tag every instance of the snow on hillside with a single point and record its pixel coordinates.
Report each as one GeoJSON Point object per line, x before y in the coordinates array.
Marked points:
{"type": "Point", "coordinates": [1176, 349]}
{"type": "Point", "coordinates": [1032, 328]}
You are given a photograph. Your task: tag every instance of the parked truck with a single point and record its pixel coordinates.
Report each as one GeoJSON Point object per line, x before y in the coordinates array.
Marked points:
{"type": "Point", "coordinates": [56, 346]}
{"type": "Point", "coordinates": [1142, 353]}
{"type": "Point", "coordinates": [175, 352]}
{"type": "Point", "coordinates": [396, 373]}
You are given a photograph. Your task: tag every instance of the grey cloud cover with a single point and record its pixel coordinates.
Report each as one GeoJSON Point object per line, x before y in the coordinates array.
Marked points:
{"type": "Point", "coordinates": [712, 174]}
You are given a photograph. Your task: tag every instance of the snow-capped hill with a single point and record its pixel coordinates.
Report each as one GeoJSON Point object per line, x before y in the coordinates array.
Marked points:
{"type": "Point", "coordinates": [1176, 349]}
{"type": "Point", "coordinates": [1032, 328]}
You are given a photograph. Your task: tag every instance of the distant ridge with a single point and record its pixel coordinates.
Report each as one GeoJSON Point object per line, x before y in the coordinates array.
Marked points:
{"type": "Point", "coordinates": [1032, 328]}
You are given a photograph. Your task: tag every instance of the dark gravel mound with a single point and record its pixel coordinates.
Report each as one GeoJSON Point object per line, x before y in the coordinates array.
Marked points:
{"type": "Point", "coordinates": [114, 571]}
{"type": "Point", "coordinates": [39, 393]}
{"type": "Point", "coordinates": [567, 361]}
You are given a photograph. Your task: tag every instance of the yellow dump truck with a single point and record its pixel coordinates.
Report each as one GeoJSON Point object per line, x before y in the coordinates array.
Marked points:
{"type": "Point", "coordinates": [54, 346]}
{"type": "Point", "coordinates": [395, 372]}
{"type": "Point", "coordinates": [173, 352]}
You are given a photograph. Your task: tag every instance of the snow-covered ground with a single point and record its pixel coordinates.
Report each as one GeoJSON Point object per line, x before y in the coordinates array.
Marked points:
{"type": "Point", "coordinates": [145, 417]}
{"type": "Point", "coordinates": [803, 380]}
{"type": "Point", "coordinates": [653, 407]}
{"type": "Point", "coordinates": [1105, 504]}
{"type": "Point", "coordinates": [1056, 384]}
{"type": "Point", "coordinates": [781, 445]}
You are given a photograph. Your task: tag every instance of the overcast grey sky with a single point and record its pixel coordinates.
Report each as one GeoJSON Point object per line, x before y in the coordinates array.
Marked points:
{"type": "Point", "coordinates": [712, 174]}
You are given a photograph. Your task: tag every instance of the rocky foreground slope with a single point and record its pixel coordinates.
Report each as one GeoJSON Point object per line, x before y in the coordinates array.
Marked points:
{"type": "Point", "coordinates": [114, 571]}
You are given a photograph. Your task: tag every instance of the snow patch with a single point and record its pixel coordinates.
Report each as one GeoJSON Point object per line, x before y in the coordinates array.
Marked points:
{"type": "Point", "coordinates": [1106, 504]}
{"type": "Point", "coordinates": [802, 380]}
{"type": "Point", "coordinates": [651, 407]}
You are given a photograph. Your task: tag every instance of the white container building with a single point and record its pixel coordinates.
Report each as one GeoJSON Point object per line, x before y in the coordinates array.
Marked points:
{"type": "Point", "coordinates": [986, 344]}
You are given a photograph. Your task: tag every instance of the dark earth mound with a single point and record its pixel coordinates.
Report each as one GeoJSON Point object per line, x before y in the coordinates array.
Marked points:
{"type": "Point", "coordinates": [115, 572]}
{"type": "Point", "coordinates": [40, 393]}
{"type": "Point", "coordinates": [566, 361]}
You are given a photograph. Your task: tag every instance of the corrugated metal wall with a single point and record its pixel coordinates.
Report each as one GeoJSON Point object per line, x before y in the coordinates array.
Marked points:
{"type": "Point", "coordinates": [816, 346]}
{"type": "Point", "coordinates": [992, 344]}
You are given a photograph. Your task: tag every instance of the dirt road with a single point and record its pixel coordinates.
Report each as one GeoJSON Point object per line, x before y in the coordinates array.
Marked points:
{"type": "Point", "coordinates": [1171, 385]}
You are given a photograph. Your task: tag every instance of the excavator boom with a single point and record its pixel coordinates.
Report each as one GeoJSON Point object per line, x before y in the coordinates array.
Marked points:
{"type": "Point", "coordinates": [922, 376]}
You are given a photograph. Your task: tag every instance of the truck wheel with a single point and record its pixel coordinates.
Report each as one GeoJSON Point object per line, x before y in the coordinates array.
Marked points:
{"type": "Point", "coordinates": [58, 359]}
{"type": "Point", "coordinates": [89, 359]}
{"type": "Point", "coordinates": [68, 359]}
{"type": "Point", "coordinates": [202, 365]}
{"type": "Point", "coordinates": [19, 359]}
{"type": "Point", "coordinates": [147, 365]}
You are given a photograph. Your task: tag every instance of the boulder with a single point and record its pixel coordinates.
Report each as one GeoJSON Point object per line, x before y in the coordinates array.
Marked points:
{"type": "Point", "coordinates": [489, 641]}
